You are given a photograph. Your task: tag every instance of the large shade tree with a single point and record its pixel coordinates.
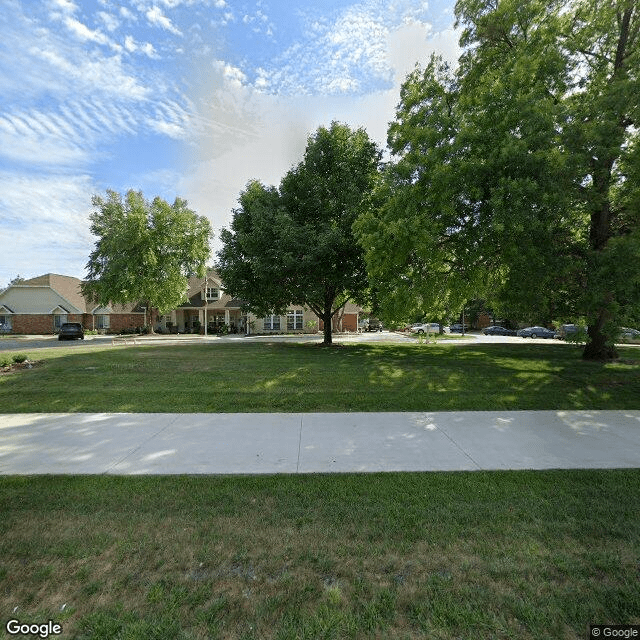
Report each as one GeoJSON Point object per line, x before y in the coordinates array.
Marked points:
{"type": "Point", "coordinates": [145, 251]}
{"type": "Point", "coordinates": [515, 175]}
{"type": "Point", "coordinates": [294, 244]}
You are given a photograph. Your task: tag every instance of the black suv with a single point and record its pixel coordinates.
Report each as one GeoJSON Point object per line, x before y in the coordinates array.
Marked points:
{"type": "Point", "coordinates": [70, 331]}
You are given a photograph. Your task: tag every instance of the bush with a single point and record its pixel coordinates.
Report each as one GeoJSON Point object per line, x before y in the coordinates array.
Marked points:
{"type": "Point", "coordinates": [20, 357]}
{"type": "Point", "coordinates": [579, 336]}
{"type": "Point", "coordinates": [5, 361]}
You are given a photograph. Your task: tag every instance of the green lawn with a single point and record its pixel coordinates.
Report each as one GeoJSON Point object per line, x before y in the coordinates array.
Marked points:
{"type": "Point", "coordinates": [508, 555]}
{"type": "Point", "coordinates": [269, 377]}
{"type": "Point", "coordinates": [443, 556]}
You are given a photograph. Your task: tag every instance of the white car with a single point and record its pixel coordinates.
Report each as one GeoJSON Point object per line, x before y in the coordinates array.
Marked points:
{"type": "Point", "coordinates": [629, 335]}
{"type": "Point", "coordinates": [429, 327]}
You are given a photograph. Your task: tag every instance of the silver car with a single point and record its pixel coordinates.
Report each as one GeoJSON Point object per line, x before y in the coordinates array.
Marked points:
{"type": "Point", "coordinates": [536, 332]}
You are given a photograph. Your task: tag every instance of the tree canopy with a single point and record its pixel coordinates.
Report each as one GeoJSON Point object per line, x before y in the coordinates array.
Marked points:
{"type": "Point", "coordinates": [514, 177]}
{"type": "Point", "coordinates": [294, 244]}
{"type": "Point", "coordinates": [145, 251]}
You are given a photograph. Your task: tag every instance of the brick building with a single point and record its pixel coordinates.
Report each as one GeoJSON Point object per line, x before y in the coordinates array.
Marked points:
{"type": "Point", "coordinates": [41, 305]}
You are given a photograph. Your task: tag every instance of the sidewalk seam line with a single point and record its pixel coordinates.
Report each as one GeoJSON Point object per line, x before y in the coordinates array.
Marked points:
{"type": "Point", "coordinates": [299, 443]}
{"type": "Point", "coordinates": [151, 437]}
{"type": "Point", "coordinates": [455, 444]}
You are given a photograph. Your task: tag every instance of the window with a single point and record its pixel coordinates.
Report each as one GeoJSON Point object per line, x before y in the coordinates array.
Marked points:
{"type": "Point", "coordinates": [5, 323]}
{"type": "Point", "coordinates": [294, 320]}
{"type": "Point", "coordinates": [213, 294]}
{"type": "Point", "coordinates": [272, 323]}
{"type": "Point", "coordinates": [59, 319]}
{"type": "Point", "coordinates": [102, 322]}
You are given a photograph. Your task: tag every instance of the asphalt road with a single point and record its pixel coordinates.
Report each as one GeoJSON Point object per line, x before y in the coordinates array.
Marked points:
{"type": "Point", "coordinates": [23, 343]}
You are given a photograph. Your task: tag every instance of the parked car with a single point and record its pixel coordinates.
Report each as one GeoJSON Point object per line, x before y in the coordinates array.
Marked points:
{"type": "Point", "coordinates": [71, 331]}
{"type": "Point", "coordinates": [371, 324]}
{"type": "Point", "coordinates": [628, 335]}
{"type": "Point", "coordinates": [536, 332]}
{"type": "Point", "coordinates": [428, 327]}
{"type": "Point", "coordinates": [457, 327]}
{"type": "Point", "coordinates": [496, 330]}
{"type": "Point", "coordinates": [568, 331]}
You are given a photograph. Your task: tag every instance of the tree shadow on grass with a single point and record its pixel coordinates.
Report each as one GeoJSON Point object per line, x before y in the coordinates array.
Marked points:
{"type": "Point", "coordinates": [287, 377]}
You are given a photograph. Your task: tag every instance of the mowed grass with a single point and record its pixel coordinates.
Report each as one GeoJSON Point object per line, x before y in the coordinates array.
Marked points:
{"type": "Point", "coordinates": [444, 556]}
{"type": "Point", "coordinates": [506, 555]}
{"type": "Point", "coordinates": [269, 377]}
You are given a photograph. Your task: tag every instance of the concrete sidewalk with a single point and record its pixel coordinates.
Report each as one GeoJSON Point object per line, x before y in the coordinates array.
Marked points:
{"type": "Point", "coordinates": [257, 443]}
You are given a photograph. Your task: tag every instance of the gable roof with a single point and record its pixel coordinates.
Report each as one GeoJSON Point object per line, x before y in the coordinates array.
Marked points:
{"type": "Point", "coordinates": [68, 288]}
{"type": "Point", "coordinates": [194, 293]}
{"type": "Point", "coordinates": [196, 284]}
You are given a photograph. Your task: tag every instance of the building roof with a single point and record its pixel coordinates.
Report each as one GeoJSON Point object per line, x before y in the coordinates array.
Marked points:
{"type": "Point", "coordinates": [196, 287]}
{"type": "Point", "coordinates": [68, 288]}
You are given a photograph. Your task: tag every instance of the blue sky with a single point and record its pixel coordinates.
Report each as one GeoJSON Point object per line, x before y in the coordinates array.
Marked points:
{"type": "Point", "coordinates": [189, 98]}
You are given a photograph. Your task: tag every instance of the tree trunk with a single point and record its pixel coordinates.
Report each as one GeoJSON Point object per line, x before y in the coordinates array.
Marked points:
{"type": "Point", "coordinates": [597, 347]}
{"type": "Point", "coordinates": [602, 163]}
{"type": "Point", "coordinates": [326, 321]}
{"type": "Point", "coordinates": [599, 234]}
{"type": "Point", "coordinates": [149, 319]}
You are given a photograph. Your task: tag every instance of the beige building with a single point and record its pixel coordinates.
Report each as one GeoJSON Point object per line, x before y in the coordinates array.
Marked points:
{"type": "Point", "coordinates": [41, 305]}
{"type": "Point", "coordinates": [208, 305]}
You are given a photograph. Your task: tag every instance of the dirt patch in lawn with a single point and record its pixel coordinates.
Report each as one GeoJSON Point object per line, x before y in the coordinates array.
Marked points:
{"type": "Point", "coordinates": [19, 366]}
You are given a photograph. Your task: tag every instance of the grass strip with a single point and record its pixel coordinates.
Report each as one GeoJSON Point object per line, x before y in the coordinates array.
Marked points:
{"type": "Point", "coordinates": [517, 555]}
{"type": "Point", "coordinates": [270, 377]}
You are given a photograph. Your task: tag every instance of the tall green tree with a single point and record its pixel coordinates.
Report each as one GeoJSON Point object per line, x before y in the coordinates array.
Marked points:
{"type": "Point", "coordinates": [145, 251]}
{"type": "Point", "coordinates": [295, 244]}
{"type": "Point", "coordinates": [514, 173]}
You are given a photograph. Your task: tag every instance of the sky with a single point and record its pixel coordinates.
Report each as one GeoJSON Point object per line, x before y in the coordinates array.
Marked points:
{"type": "Point", "coordinates": [183, 98]}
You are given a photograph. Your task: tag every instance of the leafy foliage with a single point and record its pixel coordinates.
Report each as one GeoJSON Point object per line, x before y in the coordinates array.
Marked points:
{"type": "Point", "coordinates": [295, 245]}
{"type": "Point", "coordinates": [145, 251]}
{"type": "Point", "coordinates": [512, 176]}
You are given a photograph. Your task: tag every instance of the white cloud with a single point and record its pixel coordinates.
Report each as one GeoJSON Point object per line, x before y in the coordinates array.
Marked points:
{"type": "Point", "coordinates": [127, 14]}
{"type": "Point", "coordinates": [230, 73]}
{"type": "Point", "coordinates": [26, 141]}
{"type": "Point", "coordinates": [110, 22]}
{"type": "Point", "coordinates": [67, 6]}
{"type": "Point", "coordinates": [82, 32]}
{"type": "Point", "coordinates": [145, 47]}
{"type": "Point", "coordinates": [343, 55]}
{"type": "Point", "coordinates": [45, 220]}
{"type": "Point", "coordinates": [66, 100]}
{"type": "Point", "coordinates": [88, 74]}
{"type": "Point", "coordinates": [414, 43]}
{"type": "Point", "coordinates": [157, 18]}
{"type": "Point", "coordinates": [170, 129]}
{"type": "Point", "coordinates": [67, 105]}
{"type": "Point", "coordinates": [244, 133]}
